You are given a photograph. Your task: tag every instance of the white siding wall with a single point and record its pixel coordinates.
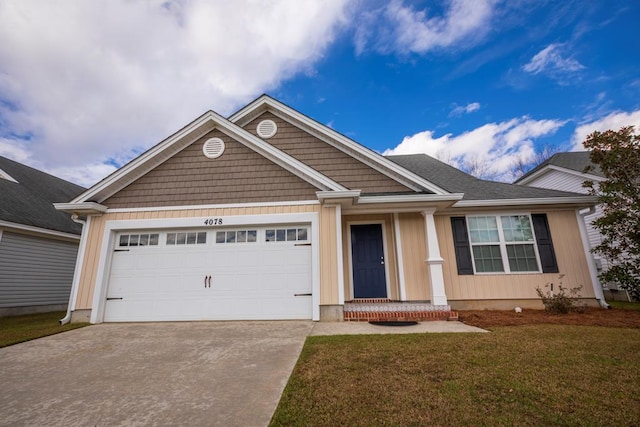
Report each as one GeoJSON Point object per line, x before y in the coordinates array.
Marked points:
{"type": "Point", "coordinates": [558, 180]}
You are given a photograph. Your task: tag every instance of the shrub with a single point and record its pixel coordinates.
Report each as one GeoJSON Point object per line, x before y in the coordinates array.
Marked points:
{"type": "Point", "coordinates": [561, 301]}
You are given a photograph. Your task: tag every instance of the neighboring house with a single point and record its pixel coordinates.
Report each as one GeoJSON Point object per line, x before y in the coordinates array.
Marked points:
{"type": "Point", "coordinates": [38, 244]}
{"type": "Point", "coordinates": [566, 171]}
{"type": "Point", "coordinates": [269, 214]}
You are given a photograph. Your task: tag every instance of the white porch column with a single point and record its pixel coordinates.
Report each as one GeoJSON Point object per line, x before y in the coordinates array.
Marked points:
{"type": "Point", "coordinates": [399, 256]}
{"type": "Point", "coordinates": [434, 260]}
{"type": "Point", "coordinates": [339, 254]}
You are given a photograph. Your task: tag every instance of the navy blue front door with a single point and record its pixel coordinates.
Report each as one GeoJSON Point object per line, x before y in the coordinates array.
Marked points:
{"type": "Point", "coordinates": [367, 256]}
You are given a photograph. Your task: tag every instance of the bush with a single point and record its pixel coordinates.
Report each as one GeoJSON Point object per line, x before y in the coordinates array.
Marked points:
{"type": "Point", "coordinates": [562, 301]}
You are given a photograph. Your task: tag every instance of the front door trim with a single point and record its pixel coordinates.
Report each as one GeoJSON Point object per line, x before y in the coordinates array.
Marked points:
{"type": "Point", "coordinates": [384, 249]}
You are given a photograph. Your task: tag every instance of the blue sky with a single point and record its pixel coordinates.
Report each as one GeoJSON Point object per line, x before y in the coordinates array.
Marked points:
{"type": "Point", "coordinates": [86, 86]}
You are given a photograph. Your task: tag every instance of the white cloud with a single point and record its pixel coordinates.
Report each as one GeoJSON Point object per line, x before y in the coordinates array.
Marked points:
{"type": "Point", "coordinates": [400, 28]}
{"type": "Point", "coordinates": [496, 145]}
{"type": "Point", "coordinates": [83, 81]}
{"type": "Point", "coordinates": [551, 60]}
{"type": "Point", "coordinates": [613, 121]}
{"type": "Point", "coordinates": [466, 109]}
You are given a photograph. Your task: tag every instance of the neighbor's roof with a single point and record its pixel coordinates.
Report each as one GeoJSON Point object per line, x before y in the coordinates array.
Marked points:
{"type": "Point", "coordinates": [28, 198]}
{"type": "Point", "coordinates": [456, 181]}
{"type": "Point", "coordinates": [576, 161]}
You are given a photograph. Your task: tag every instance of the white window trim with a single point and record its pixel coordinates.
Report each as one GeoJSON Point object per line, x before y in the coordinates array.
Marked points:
{"type": "Point", "coordinates": [503, 244]}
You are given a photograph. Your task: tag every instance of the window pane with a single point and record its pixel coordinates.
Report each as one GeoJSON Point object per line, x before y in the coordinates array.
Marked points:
{"type": "Point", "coordinates": [241, 237]}
{"type": "Point", "coordinates": [191, 238]}
{"type": "Point", "coordinates": [153, 239]}
{"type": "Point", "coordinates": [302, 234]}
{"type": "Point", "coordinates": [270, 235]}
{"type": "Point", "coordinates": [517, 228]}
{"type": "Point", "coordinates": [291, 235]}
{"type": "Point", "coordinates": [251, 236]}
{"type": "Point", "coordinates": [202, 237]}
{"type": "Point", "coordinates": [124, 240]}
{"type": "Point", "coordinates": [181, 238]}
{"type": "Point", "coordinates": [231, 236]}
{"type": "Point", "coordinates": [487, 258]}
{"type": "Point", "coordinates": [144, 239]}
{"type": "Point", "coordinates": [220, 237]}
{"type": "Point", "coordinates": [280, 235]}
{"type": "Point", "coordinates": [522, 258]}
{"type": "Point", "coordinates": [133, 240]}
{"type": "Point", "coordinates": [483, 229]}
{"type": "Point", "coordinates": [171, 238]}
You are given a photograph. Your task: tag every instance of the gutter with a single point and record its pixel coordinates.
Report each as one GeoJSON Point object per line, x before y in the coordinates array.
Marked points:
{"type": "Point", "coordinates": [76, 274]}
{"type": "Point", "coordinates": [597, 287]}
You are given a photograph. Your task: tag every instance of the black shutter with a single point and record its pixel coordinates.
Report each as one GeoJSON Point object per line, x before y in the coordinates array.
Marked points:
{"type": "Point", "coordinates": [461, 245]}
{"type": "Point", "coordinates": [545, 245]}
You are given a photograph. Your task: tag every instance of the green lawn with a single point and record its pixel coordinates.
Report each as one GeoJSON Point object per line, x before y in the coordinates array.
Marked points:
{"type": "Point", "coordinates": [18, 329]}
{"type": "Point", "coordinates": [624, 305]}
{"type": "Point", "coordinates": [538, 375]}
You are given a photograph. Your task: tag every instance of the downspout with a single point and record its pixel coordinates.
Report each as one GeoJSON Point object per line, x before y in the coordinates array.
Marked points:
{"type": "Point", "coordinates": [76, 274]}
{"type": "Point", "coordinates": [597, 287]}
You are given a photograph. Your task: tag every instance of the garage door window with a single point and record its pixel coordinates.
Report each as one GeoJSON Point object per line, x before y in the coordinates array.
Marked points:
{"type": "Point", "coordinates": [237, 236]}
{"type": "Point", "coordinates": [286, 235]}
{"type": "Point", "coordinates": [128, 240]}
{"type": "Point", "coordinates": [191, 238]}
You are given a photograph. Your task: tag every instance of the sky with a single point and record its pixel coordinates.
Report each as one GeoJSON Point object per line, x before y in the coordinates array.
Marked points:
{"type": "Point", "coordinates": [86, 86]}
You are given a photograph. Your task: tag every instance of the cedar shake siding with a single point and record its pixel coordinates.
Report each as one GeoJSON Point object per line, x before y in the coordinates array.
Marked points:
{"type": "Point", "coordinates": [240, 175]}
{"type": "Point", "coordinates": [326, 159]}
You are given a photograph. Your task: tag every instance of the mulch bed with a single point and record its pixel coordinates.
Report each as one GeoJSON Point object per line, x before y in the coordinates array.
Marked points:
{"type": "Point", "coordinates": [590, 317]}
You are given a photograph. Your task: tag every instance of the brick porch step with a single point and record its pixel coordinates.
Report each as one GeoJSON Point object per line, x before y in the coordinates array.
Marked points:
{"type": "Point", "coordinates": [387, 310]}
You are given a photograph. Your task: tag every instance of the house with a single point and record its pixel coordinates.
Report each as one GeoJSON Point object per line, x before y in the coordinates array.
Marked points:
{"type": "Point", "coordinates": [38, 244]}
{"type": "Point", "coordinates": [566, 171]}
{"type": "Point", "coordinates": [268, 214]}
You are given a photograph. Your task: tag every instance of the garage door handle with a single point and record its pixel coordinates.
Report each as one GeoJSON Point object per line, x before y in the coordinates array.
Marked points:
{"type": "Point", "coordinates": [302, 244]}
{"type": "Point", "coordinates": [207, 281]}
{"type": "Point", "coordinates": [302, 295]}
{"type": "Point", "coordinates": [111, 299]}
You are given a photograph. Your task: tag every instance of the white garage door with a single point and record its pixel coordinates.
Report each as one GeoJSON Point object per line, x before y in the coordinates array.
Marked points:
{"type": "Point", "coordinates": [244, 273]}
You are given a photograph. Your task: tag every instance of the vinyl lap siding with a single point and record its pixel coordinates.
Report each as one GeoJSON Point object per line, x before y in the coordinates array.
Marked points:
{"type": "Point", "coordinates": [557, 180]}
{"type": "Point", "coordinates": [35, 271]}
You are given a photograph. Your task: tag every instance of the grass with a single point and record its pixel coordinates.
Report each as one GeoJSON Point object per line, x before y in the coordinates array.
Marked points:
{"type": "Point", "coordinates": [624, 305]}
{"type": "Point", "coordinates": [525, 375]}
{"type": "Point", "coordinates": [17, 329]}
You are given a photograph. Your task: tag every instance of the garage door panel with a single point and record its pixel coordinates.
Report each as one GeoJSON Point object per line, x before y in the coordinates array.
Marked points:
{"type": "Point", "coordinates": [249, 281]}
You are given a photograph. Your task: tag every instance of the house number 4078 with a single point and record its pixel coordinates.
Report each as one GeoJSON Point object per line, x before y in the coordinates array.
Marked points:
{"type": "Point", "coordinates": [213, 221]}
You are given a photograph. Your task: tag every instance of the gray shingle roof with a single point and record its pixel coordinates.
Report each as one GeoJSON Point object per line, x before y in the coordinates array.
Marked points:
{"type": "Point", "coordinates": [30, 200]}
{"type": "Point", "coordinates": [456, 181]}
{"type": "Point", "coordinates": [576, 160]}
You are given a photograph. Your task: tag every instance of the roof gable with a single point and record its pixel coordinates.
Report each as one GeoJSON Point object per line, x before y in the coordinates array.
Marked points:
{"type": "Point", "coordinates": [326, 159]}
{"type": "Point", "coordinates": [239, 175]}
{"type": "Point", "coordinates": [166, 149]}
{"type": "Point", "coordinates": [573, 163]}
{"type": "Point", "coordinates": [368, 157]}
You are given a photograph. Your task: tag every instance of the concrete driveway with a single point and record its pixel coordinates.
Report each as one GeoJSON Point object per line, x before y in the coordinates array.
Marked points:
{"type": "Point", "coordinates": [192, 373]}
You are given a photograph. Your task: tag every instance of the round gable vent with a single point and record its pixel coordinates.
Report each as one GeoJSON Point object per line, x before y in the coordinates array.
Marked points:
{"type": "Point", "coordinates": [213, 148]}
{"type": "Point", "coordinates": [267, 128]}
